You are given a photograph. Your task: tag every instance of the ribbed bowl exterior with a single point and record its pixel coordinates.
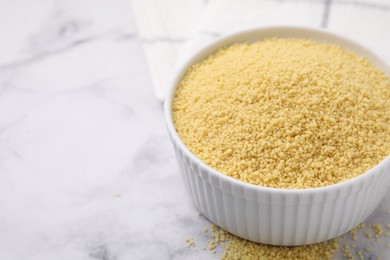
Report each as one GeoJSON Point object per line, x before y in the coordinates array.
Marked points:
{"type": "Point", "coordinates": [282, 218]}
{"type": "Point", "coordinates": [279, 216]}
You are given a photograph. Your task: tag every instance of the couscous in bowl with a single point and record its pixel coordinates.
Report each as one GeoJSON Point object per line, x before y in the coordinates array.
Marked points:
{"type": "Point", "coordinates": [273, 215]}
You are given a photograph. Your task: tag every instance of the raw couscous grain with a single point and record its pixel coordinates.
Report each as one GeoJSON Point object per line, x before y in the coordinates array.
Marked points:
{"type": "Point", "coordinates": [190, 242]}
{"type": "Point", "coordinates": [285, 113]}
{"type": "Point", "coordinates": [368, 234]}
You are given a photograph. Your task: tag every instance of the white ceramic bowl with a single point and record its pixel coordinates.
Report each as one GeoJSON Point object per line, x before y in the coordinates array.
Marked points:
{"type": "Point", "coordinates": [279, 216]}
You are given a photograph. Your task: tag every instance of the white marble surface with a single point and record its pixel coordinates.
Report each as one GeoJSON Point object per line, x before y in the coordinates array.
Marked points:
{"type": "Point", "coordinates": [86, 167]}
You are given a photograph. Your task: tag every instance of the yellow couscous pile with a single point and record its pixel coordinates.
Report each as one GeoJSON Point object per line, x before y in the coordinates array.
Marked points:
{"type": "Point", "coordinates": [236, 248]}
{"type": "Point", "coordinates": [285, 113]}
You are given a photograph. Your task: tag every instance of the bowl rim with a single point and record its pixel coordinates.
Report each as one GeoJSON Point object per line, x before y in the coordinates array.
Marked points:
{"type": "Point", "coordinates": [215, 44]}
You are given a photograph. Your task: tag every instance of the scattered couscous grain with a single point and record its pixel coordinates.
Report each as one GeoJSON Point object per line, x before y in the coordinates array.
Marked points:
{"type": "Point", "coordinates": [285, 113]}
{"type": "Point", "coordinates": [190, 242]}
{"type": "Point", "coordinates": [368, 234]}
{"type": "Point", "coordinates": [233, 247]}
{"type": "Point", "coordinates": [353, 232]}
{"type": "Point", "coordinates": [378, 230]}
{"type": "Point", "coordinates": [238, 248]}
{"type": "Point", "coordinates": [360, 255]}
{"type": "Point", "coordinates": [346, 253]}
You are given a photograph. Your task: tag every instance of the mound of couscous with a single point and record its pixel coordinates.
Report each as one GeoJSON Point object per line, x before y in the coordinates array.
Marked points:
{"type": "Point", "coordinates": [285, 113]}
